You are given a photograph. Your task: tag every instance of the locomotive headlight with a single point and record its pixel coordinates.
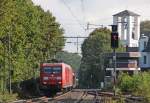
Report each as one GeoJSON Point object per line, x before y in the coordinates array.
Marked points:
{"type": "Point", "coordinates": [45, 78]}
{"type": "Point", "coordinates": [59, 82]}
{"type": "Point", "coordinates": [44, 82]}
{"type": "Point", "coordinates": [58, 78]}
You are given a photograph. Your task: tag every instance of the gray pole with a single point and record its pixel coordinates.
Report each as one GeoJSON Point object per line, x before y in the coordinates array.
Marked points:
{"type": "Point", "coordinates": [77, 45]}
{"type": "Point", "coordinates": [114, 71]}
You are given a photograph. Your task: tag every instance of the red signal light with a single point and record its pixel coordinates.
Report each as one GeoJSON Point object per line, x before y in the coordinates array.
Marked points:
{"type": "Point", "coordinates": [114, 40]}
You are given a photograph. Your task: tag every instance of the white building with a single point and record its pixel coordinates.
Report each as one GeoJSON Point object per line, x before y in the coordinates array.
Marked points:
{"type": "Point", "coordinates": [129, 33]}
{"type": "Point", "coordinates": [128, 27]}
{"type": "Point", "coordinates": [144, 48]}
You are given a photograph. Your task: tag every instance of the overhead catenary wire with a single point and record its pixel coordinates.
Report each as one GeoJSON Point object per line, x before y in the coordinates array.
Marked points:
{"type": "Point", "coordinates": [73, 15]}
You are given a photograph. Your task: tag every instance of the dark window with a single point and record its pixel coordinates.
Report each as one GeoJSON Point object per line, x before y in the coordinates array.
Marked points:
{"type": "Point", "coordinates": [125, 26]}
{"type": "Point", "coordinates": [56, 69]}
{"type": "Point", "coordinates": [133, 35]}
{"type": "Point", "coordinates": [52, 70]}
{"type": "Point", "coordinates": [48, 70]}
{"type": "Point", "coordinates": [145, 60]}
{"type": "Point", "coordinates": [108, 73]}
{"type": "Point", "coordinates": [145, 44]}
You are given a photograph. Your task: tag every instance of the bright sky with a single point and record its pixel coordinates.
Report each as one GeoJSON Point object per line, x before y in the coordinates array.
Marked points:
{"type": "Point", "coordinates": [73, 15]}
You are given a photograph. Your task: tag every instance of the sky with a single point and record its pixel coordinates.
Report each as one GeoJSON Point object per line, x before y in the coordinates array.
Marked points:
{"type": "Point", "coordinates": [73, 15]}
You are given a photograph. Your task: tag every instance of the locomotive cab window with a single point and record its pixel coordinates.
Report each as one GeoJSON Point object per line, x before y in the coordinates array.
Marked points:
{"type": "Point", "coordinates": [48, 70]}
{"type": "Point", "coordinates": [56, 69]}
{"type": "Point", "coordinates": [52, 70]}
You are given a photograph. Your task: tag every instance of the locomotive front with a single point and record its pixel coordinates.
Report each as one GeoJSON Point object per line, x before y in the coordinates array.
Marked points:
{"type": "Point", "coordinates": [51, 76]}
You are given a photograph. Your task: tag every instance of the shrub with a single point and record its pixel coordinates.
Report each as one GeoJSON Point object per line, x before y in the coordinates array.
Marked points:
{"type": "Point", "coordinates": [126, 83]}
{"type": "Point", "coordinates": [7, 98]}
{"type": "Point", "coordinates": [143, 88]}
{"type": "Point", "coordinates": [138, 84]}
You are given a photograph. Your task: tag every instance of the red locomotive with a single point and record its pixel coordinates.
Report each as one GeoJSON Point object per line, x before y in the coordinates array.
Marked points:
{"type": "Point", "coordinates": [56, 76]}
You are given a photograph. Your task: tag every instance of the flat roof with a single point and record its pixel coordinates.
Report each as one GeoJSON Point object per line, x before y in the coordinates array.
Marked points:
{"type": "Point", "coordinates": [128, 69]}
{"type": "Point", "coordinates": [125, 55]}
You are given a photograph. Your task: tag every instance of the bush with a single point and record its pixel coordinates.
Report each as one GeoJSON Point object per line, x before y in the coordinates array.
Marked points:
{"type": "Point", "coordinates": [126, 83]}
{"type": "Point", "coordinates": [138, 85]}
{"type": "Point", "coordinates": [143, 88]}
{"type": "Point", "coordinates": [7, 98]}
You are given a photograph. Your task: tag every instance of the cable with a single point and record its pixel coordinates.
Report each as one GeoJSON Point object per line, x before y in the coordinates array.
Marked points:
{"type": "Point", "coordinates": [68, 7]}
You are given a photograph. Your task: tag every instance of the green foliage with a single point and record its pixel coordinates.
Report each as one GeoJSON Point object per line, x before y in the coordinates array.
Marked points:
{"type": "Point", "coordinates": [5, 97]}
{"type": "Point", "coordinates": [143, 87]}
{"type": "Point", "coordinates": [129, 83]}
{"type": "Point", "coordinates": [136, 84]}
{"type": "Point", "coordinates": [70, 58]}
{"type": "Point", "coordinates": [92, 63]}
{"type": "Point", "coordinates": [93, 50]}
{"type": "Point", "coordinates": [145, 27]}
{"type": "Point", "coordinates": [34, 36]}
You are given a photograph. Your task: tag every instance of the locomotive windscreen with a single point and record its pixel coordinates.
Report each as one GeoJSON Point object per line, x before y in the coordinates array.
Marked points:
{"type": "Point", "coordinates": [52, 69]}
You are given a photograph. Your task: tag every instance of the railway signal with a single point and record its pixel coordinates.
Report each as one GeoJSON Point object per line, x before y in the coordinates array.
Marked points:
{"type": "Point", "coordinates": [114, 40]}
{"type": "Point", "coordinates": [114, 37]}
{"type": "Point", "coordinates": [114, 28]}
{"type": "Point", "coordinates": [114, 45]}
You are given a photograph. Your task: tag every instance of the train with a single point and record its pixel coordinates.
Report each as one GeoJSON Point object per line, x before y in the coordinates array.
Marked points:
{"type": "Point", "coordinates": [56, 77]}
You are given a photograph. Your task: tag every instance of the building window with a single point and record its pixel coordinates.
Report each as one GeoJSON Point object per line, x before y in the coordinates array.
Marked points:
{"type": "Point", "coordinates": [108, 73]}
{"type": "Point", "coordinates": [125, 23]}
{"type": "Point", "coordinates": [144, 60]}
{"type": "Point", "coordinates": [145, 44]}
{"type": "Point", "coordinates": [133, 35]}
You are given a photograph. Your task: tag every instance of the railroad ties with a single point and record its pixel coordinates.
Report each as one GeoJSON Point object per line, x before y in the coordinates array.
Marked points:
{"type": "Point", "coordinates": [84, 96]}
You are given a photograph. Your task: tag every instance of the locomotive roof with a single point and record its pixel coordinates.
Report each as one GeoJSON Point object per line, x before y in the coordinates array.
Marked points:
{"type": "Point", "coordinates": [58, 64]}
{"type": "Point", "coordinates": [52, 63]}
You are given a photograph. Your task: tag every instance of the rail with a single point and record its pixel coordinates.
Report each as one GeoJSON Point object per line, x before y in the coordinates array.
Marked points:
{"type": "Point", "coordinates": [84, 96]}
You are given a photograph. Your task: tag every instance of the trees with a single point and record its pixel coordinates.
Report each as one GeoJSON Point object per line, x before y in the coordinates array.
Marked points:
{"type": "Point", "coordinates": [93, 60]}
{"type": "Point", "coordinates": [70, 58]}
{"type": "Point", "coordinates": [145, 27]}
{"type": "Point", "coordinates": [33, 35]}
{"type": "Point", "coordinates": [93, 50]}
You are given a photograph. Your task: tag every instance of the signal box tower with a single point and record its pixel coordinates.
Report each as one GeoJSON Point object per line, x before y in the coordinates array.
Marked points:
{"type": "Point", "coordinates": [128, 24]}
{"type": "Point", "coordinates": [128, 27]}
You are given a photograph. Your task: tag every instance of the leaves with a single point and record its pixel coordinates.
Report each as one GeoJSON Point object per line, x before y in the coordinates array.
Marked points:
{"type": "Point", "coordinates": [70, 58]}
{"type": "Point", "coordinates": [93, 61]}
{"type": "Point", "coordinates": [145, 27]}
{"type": "Point", "coordinates": [136, 84]}
{"type": "Point", "coordinates": [31, 31]}
{"type": "Point", "coordinates": [93, 50]}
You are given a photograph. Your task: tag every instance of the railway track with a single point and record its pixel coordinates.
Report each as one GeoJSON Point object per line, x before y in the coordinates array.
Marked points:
{"type": "Point", "coordinates": [71, 97]}
{"type": "Point", "coordinates": [84, 96]}
{"type": "Point", "coordinates": [134, 100]}
{"type": "Point", "coordinates": [42, 99]}
{"type": "Point", "coordinates": [101, 97]}
{"type": "Point", "coordinates": [75, 96]}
